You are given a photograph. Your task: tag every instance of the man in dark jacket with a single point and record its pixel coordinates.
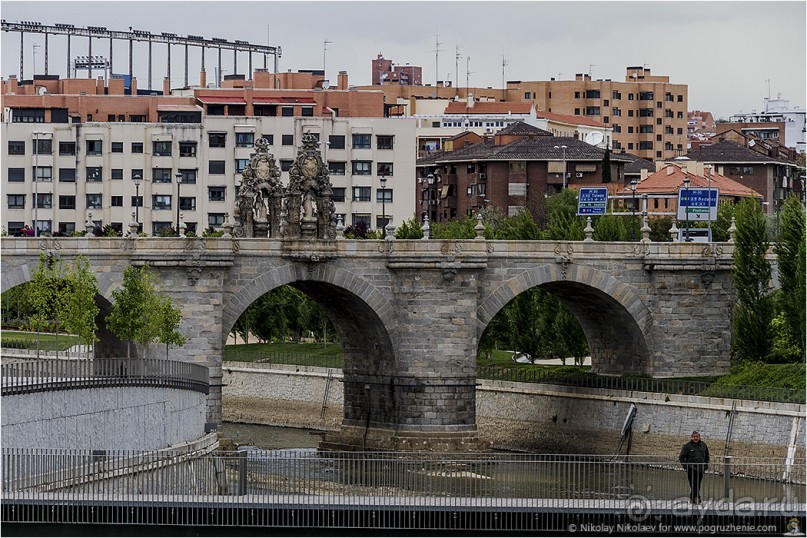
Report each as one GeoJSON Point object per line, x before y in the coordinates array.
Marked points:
{"type": "Point", "coordinates": [695, 459]}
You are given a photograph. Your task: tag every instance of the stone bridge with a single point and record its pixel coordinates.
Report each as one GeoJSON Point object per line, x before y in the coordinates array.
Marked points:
{"type": "Point", "coordinates": [410, 313]}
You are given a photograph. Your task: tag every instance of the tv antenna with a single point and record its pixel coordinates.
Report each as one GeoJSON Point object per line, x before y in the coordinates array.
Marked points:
{"type": "Point", "coordinates": [436, 59]}
{"type": "Point", "coordinates": [504, 64]}
{"type": "Point", "coordinates": [457, 57]}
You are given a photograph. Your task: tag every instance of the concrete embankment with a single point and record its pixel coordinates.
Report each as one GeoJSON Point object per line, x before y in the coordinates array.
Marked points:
{"type": "Point", "coordinates": [537, 418]}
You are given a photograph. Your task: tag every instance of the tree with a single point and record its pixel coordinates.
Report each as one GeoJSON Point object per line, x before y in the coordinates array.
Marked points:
{"type": "Point", "coordinates": [606, 166]}
{"type": "Point", "coordinates": [410, 229]}
{"type": "Point", "coordinates": [790, 255]}
{"type": "Point", "coordinates": [45, 297]}
{"type": "Point", "coordinates": [80, 307]}
{"type": "Point", "coordinates": [753, 312]}
{"type": "Point", "coordinates": [563, 222]}
{"type": "Point", "coordinates": [611, 228]}
{"type": "Point", "coordinates": [139, 314]}
{"type": "Point", "coordinates": [519, 227]}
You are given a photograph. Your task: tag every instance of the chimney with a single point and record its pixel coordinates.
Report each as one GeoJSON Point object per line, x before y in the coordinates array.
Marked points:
{"type": "Point", "coordinates": [470, 101]}
{"type": "Point", "coordinates": [99, 86]}
{"type": "Point", "coordinates": [134, 86]}
{"type": "Point", "coordinates": [12, 84]}
{"type": "Point", "coordinates": [670, 170]}
{"type": "Point", "coordinates": [203, 78]}
{"type": "Point", "coordinates": [166, 86]}
{"type": "Point", "coordinates": [342, 80]}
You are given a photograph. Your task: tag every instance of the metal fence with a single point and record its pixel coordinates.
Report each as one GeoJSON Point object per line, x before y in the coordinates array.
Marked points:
{"type": "Point", "coordinates": [552, 376]}
{"type": "Point", "coordinates": [61, 374]}
{"type": "Point", "coordinates": [257, 479]}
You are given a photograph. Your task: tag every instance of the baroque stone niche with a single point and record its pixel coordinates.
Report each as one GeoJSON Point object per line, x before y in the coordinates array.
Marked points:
{"type": "Point", "coordinates": [260, 198]}
{"type": "Point", "coordinates": [309, 203]}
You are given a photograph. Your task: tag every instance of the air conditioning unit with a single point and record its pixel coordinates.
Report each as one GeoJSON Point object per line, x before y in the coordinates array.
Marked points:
{"type": "Point", "coordinates": [483, 175]}
{"type": "Point", "coordinates": [579, 174]}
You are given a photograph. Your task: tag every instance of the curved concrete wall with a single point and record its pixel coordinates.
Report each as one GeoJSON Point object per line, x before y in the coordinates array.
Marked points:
{"type": "Point", "coordinates": [113, 418]}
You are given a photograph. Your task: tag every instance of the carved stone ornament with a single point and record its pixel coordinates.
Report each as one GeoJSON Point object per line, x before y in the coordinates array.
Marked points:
{"type": "Point", "coordinates": [193, 274]}
{"type": "Point", "coordinates": [260, 196]}
{"type": "Point", "coordinates": [309, 197]}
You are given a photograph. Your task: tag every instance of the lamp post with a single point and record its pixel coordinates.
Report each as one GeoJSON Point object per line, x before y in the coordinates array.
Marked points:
{"type": "Point", "coordinates": [137, 200]}
{"type": "Point", "coordinates": [633, 184]}
{"type": "Point", "coordinates": [37, 134]}
{"type": "Point", "coordinates": [709, 190]}
{"type": "Point", "coordinates": [178, 175]}
{"type": "Point", "coordinates": [564, 164]}
{"type": "Point", "coordinates": [686, 208]}
{"type": "Point", "coordinates": [383, 181]}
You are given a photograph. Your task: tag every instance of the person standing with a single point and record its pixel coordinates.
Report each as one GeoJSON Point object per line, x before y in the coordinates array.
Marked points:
{"type": "Point", "coordinates": [695, 459]}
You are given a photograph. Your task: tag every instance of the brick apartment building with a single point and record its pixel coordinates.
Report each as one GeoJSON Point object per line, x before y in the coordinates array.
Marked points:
{"type": "Point", "coordinates": [386, 72]}
{"type": "Point", "coordinates": [647, 113]}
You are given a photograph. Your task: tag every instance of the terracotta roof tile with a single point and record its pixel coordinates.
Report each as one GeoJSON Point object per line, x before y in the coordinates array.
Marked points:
{"type": "Point", "coordinates": [663, 182]}
{"type": "Point", "coordinates": [571, 120]}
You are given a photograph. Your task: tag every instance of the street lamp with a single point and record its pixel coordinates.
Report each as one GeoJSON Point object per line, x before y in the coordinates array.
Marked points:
{"type": "Point", "coordinates": [383, 181]}
{"type": "Point", "coordinates": [709, 190]}
{"type": "Point", "coordinates": [686, 208]}
{"type": "Point", "coordinates": [36, 182]}
{"type": "Point", "coordinates": [633, 184]}
{"type": "Point", "coordinates": [564, 164]}
{"type": "Point", "coordinates": [137, 200]}
{"type": "Point", "coordinates": [178, 175]}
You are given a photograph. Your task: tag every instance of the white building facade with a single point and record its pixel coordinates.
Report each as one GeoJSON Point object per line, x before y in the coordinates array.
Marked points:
{"type": "Point", "coordinates": [192, 170]}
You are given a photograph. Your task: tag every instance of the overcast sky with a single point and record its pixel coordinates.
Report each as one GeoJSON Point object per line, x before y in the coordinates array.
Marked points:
{"type": "Point", "coordinates": [729, 53]}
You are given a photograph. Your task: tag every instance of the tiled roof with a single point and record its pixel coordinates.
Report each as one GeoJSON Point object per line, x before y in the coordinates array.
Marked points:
{"type": "Point", "coordinates": [729, 152]}
{"type": "Point", "coordinates": [521, 128]}
{"type": "Point", "coordinates": [638, 165]}
{"type": "Point", "coordinates": [571, 120]}
{"type": "Point", "coordinates": [488, 107]}
{"type": "Point", "coordinates": [537, 149]}
{"type": "Point", "coordinates": [663, 182]}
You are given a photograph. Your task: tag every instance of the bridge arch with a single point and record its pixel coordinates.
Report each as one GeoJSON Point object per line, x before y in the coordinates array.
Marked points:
{"type": "Point", "coordinates": [614, 319]}
{"type": "Point", "coordinates": [364, 321]}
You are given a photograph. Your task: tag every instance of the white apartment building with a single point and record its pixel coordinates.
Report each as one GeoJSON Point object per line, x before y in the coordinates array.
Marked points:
{"type": "Point", "coordinates": [779, 110]}
{"type": "Point", "coordinates": [94, 168]}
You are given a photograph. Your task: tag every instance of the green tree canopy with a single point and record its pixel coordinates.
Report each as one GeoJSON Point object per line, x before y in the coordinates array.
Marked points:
{"type": "Point", "coordinates": [790, 255]}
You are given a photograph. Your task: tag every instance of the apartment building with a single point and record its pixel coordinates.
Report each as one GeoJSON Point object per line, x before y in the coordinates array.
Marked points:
{"type": "Point", "coordinates": [156, 159]}
{"type": "Point", "coordinates": [778, 119]}
{"type": "Point", "coordinates": [647, 113]}
{"type": "Point", "coordinates": [386, 72]}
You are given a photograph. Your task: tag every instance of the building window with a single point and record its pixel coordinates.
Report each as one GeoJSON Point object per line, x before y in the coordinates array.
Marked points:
{"type": "Point", "coordinates": [187, 203]}
{"type": "Point", "coordinates": [43, 173]}
{"type": "Point", "coordinates": [592, 111]}
{"type": "Point", "coordinates": [137, 147]}
{"type": "Point", "coordinates": [67, 148]}
{"type": "Point", "coordinates": [215, 167]}
{"type": "Point", "coordinates": [616, 111]}
{"type": "Point", "coordinates": [361, 194]}
{"type": "Point", "coordinates": [43, 201]}
{"type": "Point", "coordinates": [645, 128]}
{"type": "Point", "coordinates": [285, 165]}
{"type": "Point", "coordinates": [307, 112]}
{"type": "Point", "coordinates": [645, 145]}
{"type": "Point", "coordinates": [646, 112]}
{"type": "Point", "coordinates": [630, 129]}
{"type": "Point", "coordinates": [384, 142]}
{"type": "Point", "coordinates": [668, 130]}
{"type": "Point", "coordinates": [336, 168]}
{"type": "Point", "coordinates": [161, 175]}
{"type": "Point", "coordinates": [216, 194]}
{"type": "Point", "coordinates": [187, 149]}
{"type": "Point", "coordinates": [362, 141]}
{"type": "Point", "coordinates": [16, 147]}
{"type": "Point", "coordinates": [645, 96]}
{"type": "Point", "coordinates": [338, 194]}
{"type": "Point", "coordinates": [383, 195]}
{"type": "Point", "coordinates": [526, 95]}
{"type": "Point", "coordinates": [94, 201]}
{"type": "Point", "coordinates": [287, 140]}
{"type": "Point", "coordinates": [16, 201]}
{"type": "Point", "coordinates": [592, 94]}
{"type": "Point", "coordinates": [116, 173]}
{"type": "Point", "coordinates": [43, 146]}
{"type": "Point", "coordinates": [16, 174]}
{"type": "Point", "coordinates": [67, 174]}
{"type": "Point", "coordinates": [136, 172]}
{"type": "Point", "coordinates": [240, 164]}
{"type": "Point", "coordinates": [577, 95]}
{"type": "Point", "coordinates": [679, 115]}
{"type": "Point", "coordinates": [162, 148]}
{"type": "Point", "coordinates": [616, 95]}
{"type": "Point", "coordinates": [32, 115]}
{"type": "Point", "coordinates": [244, 140]}
{"type": "Point", "coordinates": [215, 219]}
{"type": "Point", "coordinates": [668, 146]}
{"type": "Point", "coordinates": [217, 140]}
{"type": "Point", "coordinates": [617, 128]}
{"type": "Point", "coordinates": [362, 168]}
{"type": "Point", "coordinates": [337, 141]}
{"type": "Point", "coordinates": [188, 175]}
{"type": "Point", "coordinates": [67, 202]}
{"type": "Point", "coordinates": [630, 97]}
{"type": "Point", "coordinates": [161, 201]}
{"type": "Point", "coordinates": [117, 201]}
{"type": "Point", "coordinates": [361, 218]}
{"type": "Point", "coordinates": [270, 139]}
{"type": "Point", "coordinates": [287, 111]}
{"type": "Point", "coordinates": [576, 111]}
{"type": "Point", "coordinates": [384, 169]}
{"type": "Point", "coordinates": [680, 98]}
{"type": "Point", "coordinates": [117, 147]}
{"type": "Point", "coordinates": [137, 201]}
{"type": "Point", "coordinates": [94, 147]}
{"type": "Point", "coordinates": [680, 130]}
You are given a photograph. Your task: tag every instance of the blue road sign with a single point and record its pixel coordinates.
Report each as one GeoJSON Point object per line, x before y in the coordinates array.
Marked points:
{"type": "Point", "coordinates": [592, 201]}
{"type": "Point", "coordinates": [697, 203]}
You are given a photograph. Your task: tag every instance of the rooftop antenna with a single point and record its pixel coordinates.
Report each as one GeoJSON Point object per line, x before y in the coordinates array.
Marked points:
{"type": "Point", "coordinates": [467, 73]}
{"type": "Point", "coordinates": [768, 80]}
{"type": "Point", "coordinates": [589, 69]}
{"type": "Point", "coordinates": [324, 48]}
{"type": "Point", "coordinates": [457, 57]}
{"type": "Point", "coordinates": [436, 59]}
{"type": "Point", "coordinates": [504, 64]}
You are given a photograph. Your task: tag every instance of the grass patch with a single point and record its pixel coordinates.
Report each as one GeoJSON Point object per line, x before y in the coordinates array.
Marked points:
{"type": "Point", "coordinates": [47, 341]}
{"type": "Point", "coordinates": [757, 374]}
